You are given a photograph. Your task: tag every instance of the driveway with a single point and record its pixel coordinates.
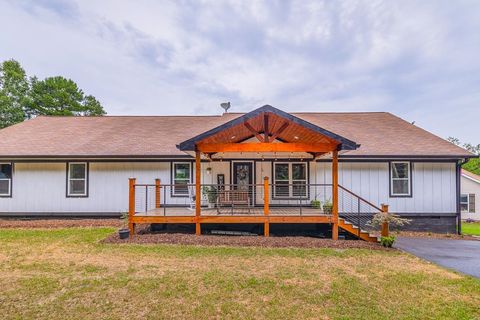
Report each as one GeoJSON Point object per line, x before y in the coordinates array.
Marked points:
{"type": "Point", "coordinates": [460, 255]}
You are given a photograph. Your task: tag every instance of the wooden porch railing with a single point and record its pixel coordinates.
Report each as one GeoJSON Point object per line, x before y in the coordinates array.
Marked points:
{"type": "Point", "coordinates": [253, 202]}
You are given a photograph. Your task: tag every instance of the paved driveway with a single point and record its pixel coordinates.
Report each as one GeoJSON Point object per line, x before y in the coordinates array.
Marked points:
{"type": "Point", "coordinates": [460, 255]}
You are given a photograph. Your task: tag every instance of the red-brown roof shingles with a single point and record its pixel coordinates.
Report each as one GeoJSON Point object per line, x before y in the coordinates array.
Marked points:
{"type": "Point", "coordinates": [378, 133]}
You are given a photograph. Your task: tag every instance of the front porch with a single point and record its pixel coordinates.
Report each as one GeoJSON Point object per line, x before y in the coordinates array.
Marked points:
{"type": "Point", "coordinates": [284, 195]}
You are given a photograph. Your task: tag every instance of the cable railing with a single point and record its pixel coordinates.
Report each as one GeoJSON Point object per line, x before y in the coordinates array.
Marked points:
{"type": "Point", "coordinates": [356, 209]}
{"type": "Point", "coordinates": [249, 199]}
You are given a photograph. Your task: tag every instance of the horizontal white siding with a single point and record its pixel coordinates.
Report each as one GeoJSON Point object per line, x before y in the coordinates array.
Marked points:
{"type": "Point", "coordinates": [41, 187]}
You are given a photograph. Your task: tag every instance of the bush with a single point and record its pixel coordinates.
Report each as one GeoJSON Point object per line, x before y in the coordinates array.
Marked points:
{"type": "Point", "coordinates": [315, 204]}
{"type": "Point", "coordinates": [327, 207]}
{"type": "Point", "coordinates": [387, 241]}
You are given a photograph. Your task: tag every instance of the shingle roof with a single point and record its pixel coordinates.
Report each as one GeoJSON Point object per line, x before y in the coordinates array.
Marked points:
{"type": "Point", "coordinates": [379, 134]}
{"type": "Point", "coordinates": [471, 175]}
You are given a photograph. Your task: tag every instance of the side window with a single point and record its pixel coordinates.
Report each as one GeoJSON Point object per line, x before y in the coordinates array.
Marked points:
{"type": "Point", "coordinates": [400, 179]}
{"type": "Point", "coordinates": [181, 176]}
{"type": "Point", "coordinates": [464, 202]}
{"type": "Point", "coordinates": [471, 203]}
{"type": "Point", "coordinates": [6, 179]}
{"type": "Point", "coordinates": [77, 179]}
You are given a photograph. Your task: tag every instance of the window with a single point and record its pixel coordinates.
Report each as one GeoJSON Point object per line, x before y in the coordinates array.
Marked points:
{"type": "Point", "coordinates": [467, 203]}
{"type": "Point", "coordinates": [400, 179]}
{"type": "Point", "coordinates": [5, 179]}
{"type": "Point", "coordinates": [77, 184]}
{"type": "Point", "coordinates": [290, 180]}
{"type": "Point", "coordinates": [181, 178]}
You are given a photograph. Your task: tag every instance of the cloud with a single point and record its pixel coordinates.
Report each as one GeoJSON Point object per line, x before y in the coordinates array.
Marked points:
{"type": "Point", "coordinates": [418, 60]}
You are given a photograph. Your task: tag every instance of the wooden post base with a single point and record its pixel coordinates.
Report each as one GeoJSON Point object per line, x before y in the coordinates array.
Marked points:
{"type": "Point", "coordinates": [198, 229]}
{"type": "Point", "coordinates": [131, 227]}
{"type": "Point", "coordinates": [335, 231]}
{"type": "Point", "coordinates": [266, 229]}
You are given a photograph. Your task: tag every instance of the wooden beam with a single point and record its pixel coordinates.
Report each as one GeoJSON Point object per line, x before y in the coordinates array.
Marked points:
{"type": "Point", "coordinates": [335, 195]}
{"type": "Point", "coordinates": [233, 219]}
{"type": "Point", "coordinates": [198, 195]}
{"type": "Point", "coordinates": [131, 205]}
{"type": "Point", "coordinates": [266, 207]}
{"type": "Point", "coordinates": [265, 125]}
{"type": "Point", "coordinates": [157, 193]}
{"type": "Point", "coordinates": [254, 132]}
{"type": "Point", "coordinates": [279, 131]}
{"type": "Point", "coordinates": [265, 147]}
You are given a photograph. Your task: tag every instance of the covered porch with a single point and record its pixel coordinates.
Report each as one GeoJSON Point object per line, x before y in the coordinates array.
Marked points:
{"type": "Point", "coordinates": [284, 195]}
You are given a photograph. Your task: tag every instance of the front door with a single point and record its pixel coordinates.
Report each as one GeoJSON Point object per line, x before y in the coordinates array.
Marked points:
{"type": "Point", "coordinates": [243, 177]}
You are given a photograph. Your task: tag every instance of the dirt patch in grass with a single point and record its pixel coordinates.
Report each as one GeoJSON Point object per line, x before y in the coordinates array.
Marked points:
{"type": "Point", "coordinates": [243, 241]}
{"type": "Point", "coordinates": [59, 223]}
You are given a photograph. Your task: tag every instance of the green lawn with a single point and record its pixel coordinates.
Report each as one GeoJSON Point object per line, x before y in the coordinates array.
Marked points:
{"type": "Point", "coordinates": [471, 228]}
{"type": "Point", "coordinates": [67, 273]}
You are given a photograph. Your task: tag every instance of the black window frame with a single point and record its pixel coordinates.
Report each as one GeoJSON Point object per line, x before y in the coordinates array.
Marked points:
{"type": "Point", "coordinates": [172, 179]}
{"type": "Point", "coordinates": [10, 180]}
{"type": "Point", "coordinates": [290, 181]}
{"type": "Point", "coordinates": [410, 179]}
{"type": "Point", "coordinates": [87, 180]}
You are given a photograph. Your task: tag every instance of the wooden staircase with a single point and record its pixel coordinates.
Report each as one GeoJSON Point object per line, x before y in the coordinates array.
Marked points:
{"type": "Point", "coordinates": [353, 229]}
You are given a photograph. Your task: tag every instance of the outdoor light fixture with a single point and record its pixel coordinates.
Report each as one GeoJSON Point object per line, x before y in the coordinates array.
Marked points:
{"type": "Point", "coordinates": [209, 170]}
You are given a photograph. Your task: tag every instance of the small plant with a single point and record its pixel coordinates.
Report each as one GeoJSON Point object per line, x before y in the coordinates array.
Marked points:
{"type": "Point", "coordinates": [124, 231]}
{"type": "Point", "coordinates": [387, 242]}
{"type": "Point", "coordinates": [211, 193]}
{"type": "Point", "coordinates": [328, 207]}
{"type": "Point", "coordinates": [124, 218]}
{"type": "Point", "coordinates": [393, 220]}
{"type": "Point", "coordinates": [315, 204]}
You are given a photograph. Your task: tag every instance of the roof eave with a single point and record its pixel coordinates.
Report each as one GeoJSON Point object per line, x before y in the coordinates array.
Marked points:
{"type": "Point", "coordinates": [345, 144]}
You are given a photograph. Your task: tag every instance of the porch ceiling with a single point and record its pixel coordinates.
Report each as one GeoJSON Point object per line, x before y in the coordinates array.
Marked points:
{"type": "Point", "coordinates": [272, 130]}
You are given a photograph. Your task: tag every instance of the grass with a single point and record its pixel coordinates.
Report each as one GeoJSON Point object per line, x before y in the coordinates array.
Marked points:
{"type": "Point", "coordinates": [67, 273]}
{"type": "Point", "coordinates": [471, 228]}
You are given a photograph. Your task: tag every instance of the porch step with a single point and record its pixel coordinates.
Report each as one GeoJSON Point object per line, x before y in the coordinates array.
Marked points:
{"type": "Point", "coordinates": [353, 229]}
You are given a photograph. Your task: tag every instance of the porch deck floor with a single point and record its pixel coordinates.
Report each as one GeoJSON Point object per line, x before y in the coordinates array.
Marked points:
{"type": "Point", "coordinates": [240, 211]}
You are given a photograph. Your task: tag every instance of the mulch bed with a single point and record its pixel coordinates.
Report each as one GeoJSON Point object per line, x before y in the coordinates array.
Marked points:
{"type": "Point", "coordinates": [451, 236]}
{"type": "Point", "coordinates": [243, 241]}
{"type": "Point", "coordinates": [58, 223]}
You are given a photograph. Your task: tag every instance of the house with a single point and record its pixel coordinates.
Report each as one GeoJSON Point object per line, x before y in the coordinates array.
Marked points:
{"type": "Point", "coordinates": [266, 167]}
{"type": "Point", "coordinates": [470, 192]}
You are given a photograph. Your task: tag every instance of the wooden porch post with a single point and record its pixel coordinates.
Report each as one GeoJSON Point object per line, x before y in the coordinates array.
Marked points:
{"type": "Point", "coordinates": [266, 207]}
{"type": "Point", "coordinates": [385, 228]}
{"type": "Point", "coordinates": [131, 205]}
{"type": "Point", "coordinates": [198, 195]}
{"type": "Point", "coordinates": [335, 194]}
{"type": "Point", "coordinates": [157, 193]}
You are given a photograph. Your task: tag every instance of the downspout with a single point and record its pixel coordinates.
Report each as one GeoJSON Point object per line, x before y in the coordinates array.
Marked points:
{"type": "Point", "coordinates": [458, 176]}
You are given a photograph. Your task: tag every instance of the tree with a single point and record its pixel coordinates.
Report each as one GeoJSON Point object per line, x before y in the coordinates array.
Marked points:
{"type": "Point", "coordinates": [473, 165]}
{"type": "Point", "coordinates": [21, 98]}
{"type": "Point", "coordinates": [58, 96]}
{"type": "Point", "coordinates": [14, 89]}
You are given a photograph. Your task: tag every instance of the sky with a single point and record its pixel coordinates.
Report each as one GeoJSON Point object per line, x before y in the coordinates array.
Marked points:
{"type": "Point", "coordinates": [417, 59]}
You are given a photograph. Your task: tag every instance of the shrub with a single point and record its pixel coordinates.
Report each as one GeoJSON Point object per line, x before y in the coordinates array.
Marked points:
{"type": "Point", "coordinates": [315, 204]}
{"type": "Point", "coordinates": [328, 207]}
{"type": "Point", "coordinates": [392, 219]}
{"type": "Point", "coordinates": [387, 241]}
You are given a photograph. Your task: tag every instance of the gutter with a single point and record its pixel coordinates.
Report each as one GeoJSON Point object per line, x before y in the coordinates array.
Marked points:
{"type": "Point", "coordinates": [459, 165]}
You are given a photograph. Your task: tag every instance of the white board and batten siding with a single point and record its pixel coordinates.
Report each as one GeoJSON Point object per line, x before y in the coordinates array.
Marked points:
{"type": "Point", "coordinates": [41, 187]}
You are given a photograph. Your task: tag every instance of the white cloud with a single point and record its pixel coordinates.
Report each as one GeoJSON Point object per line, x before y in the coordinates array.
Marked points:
{"type": "Point", "coordinates": [150, 57]}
